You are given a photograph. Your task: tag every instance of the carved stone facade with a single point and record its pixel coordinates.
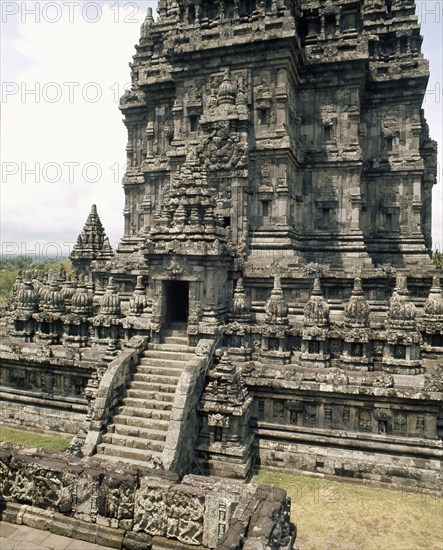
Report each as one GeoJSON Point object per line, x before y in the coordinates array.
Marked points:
{"type": "Point", "coordinates": [309, 154]}
{"type": "Point", "coordinates": [275, 258]}
{"type": "Point", "coordinates": [225, 435]}
{"type": "Point", "coordinates": [138, 508]}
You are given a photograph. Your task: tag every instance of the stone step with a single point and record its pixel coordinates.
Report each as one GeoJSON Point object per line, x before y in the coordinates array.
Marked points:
{"type": "Point", "coordinates": [127, 460]}
{"type": "Point", "coordinates": [168, 355]}
{"type": "Point", "coordinates": [159, 370]}
{"type": "Point", "coordinates": [123, 452]}
{"type": "Point", "coordinates": [146, 386]}
{"type": "Point", "coordinates": [133, 442]}
{"type": "Point", "coordinates": [156, 378]}
{"type": "Point", "coordinates": [138, 403]}
{"type": "Point", "coordinates": [138, 431]}
{"type": "Point", "coordinates": [144, 413]}
{"type": "Point", "coordinates": [162, 543]}
{"type": "Point", "coordinates": [175, 334]}
{"type": "Point", "coordinates": [175, 329]}
{"type": "Point", "coordinates": [147, 395]}
{"type": "Point", "coordinates": [141, 421]}
{"type": "Point", "coordinates": [182, 340]}
{"type": "Point", "coordinates": [171, 347]}
{"type": "Point", "coordinates": [162, 362]}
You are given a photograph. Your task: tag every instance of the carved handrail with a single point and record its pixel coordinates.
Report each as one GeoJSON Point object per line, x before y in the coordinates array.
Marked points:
{"type": "Point", "coordinates": [116, 378]}
{"type": "Point", "coordinates": [178, 452]}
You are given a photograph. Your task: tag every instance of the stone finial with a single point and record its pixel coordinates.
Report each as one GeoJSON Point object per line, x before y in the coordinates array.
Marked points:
{"type": "Point", "coordinates": [111, 300]}
{"type": "Point", "coordinates": [54, 297]}
{"type": "Point", "coordinates": [241, 99]}
{"type": "Point", "coordinates": [358, 289]}
{"type": "Point", "coordinates": [147, 23]}
{"type": "Point", "coordinates": [402, 285]}
{"type": "Point", "coordinates": [81, 302]}
{"type": "Point", "coordinates": [180, 216]}
{"type": "Point", "coordinates": [194, 219]}
{"type": "Point", "coordinates": [61, 277]}
{"type": "Point", "coordinates": [357, 309]}
{"type": "Point", "coordinates": [138, 301]}
{"type": "Point", "coordinates": [42, 287]}
{"type": "Point", "coordinates": [211, 102]}
{"type": "Point", "coordinates": [17, 286]}
{"type": "Point", "coordinates": [89, 284]}
{"type": "Point", "coordinates": [27, 299]}
{"type": "Point", "coordinates": [436, 283]}
{"type": "Point", "coordinates": [316, 311]}
{"type": "Point", "coordinates": [226, 92]}
{"type": "Point", "coordinates": [402, 312]}
{"type": "Point", "coordinates": [68, 290]}
{"type": "Point", "coordinates": [106, 248]}
{"type": "Point", "coordinates": [433, 309]}
{"type": "Point", "coordinates": [316, 290]}
{"type": "Point", "coordinates": [240, 305]}
{"type": "Point", "coordinates": [111, 350]}
{"type": "Point", "coordinates": [225, 365]}
{"type": "Point", "coordinates": [276, 307]}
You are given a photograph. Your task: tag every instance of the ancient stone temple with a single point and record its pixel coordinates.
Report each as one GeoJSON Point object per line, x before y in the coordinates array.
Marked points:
{"type": "Point", "coordinates": [272, 300]}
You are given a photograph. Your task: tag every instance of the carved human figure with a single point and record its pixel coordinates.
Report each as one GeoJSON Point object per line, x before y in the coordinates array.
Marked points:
{"type": "Point", "coordinates": [150, 511]}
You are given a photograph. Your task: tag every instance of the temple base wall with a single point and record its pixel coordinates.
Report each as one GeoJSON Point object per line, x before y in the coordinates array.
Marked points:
{"type": "Point", "coordinates": [34, 412]}
{"type": "Point", "coordinates": [138, 507]}
{"type": "Point", "coordinates": [372, 465]}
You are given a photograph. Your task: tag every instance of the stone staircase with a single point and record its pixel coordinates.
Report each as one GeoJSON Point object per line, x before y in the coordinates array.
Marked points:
{"type": "Point", "coordinates": [140, 424]}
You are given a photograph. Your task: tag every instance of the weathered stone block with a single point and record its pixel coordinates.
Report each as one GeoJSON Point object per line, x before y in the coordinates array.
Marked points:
{"type": "Point", "coordinates": [137, 541]}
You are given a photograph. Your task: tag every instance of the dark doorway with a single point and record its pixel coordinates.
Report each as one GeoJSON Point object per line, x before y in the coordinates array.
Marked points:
{"type": "Point", "coordinates": [177, 301]}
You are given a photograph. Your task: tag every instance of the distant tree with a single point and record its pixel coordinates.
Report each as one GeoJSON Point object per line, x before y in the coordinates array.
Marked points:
{"type": "Point", "coordinates": [15, 262]}
{"type": "Point", "coordinates": [10, 267]}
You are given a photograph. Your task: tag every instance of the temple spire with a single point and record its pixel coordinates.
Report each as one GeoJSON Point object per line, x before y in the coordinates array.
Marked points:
{"type": "Point", "coordinates": [92, 244]}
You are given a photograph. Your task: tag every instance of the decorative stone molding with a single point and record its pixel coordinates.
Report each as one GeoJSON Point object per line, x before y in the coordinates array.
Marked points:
{"type": "Point", "coordinates": [133, 507]}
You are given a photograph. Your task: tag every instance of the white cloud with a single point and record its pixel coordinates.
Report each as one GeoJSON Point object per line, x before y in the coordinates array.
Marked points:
{"type": "Point", "coordinates": [95, 56]}
{"type": "Point", "coordinates": [431, 17]}
{"type": "Point", "coordinates": [71, 126]}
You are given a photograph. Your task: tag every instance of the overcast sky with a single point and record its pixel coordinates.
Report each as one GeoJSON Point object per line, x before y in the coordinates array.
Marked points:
{"type": "Point", "coordinates": [64, 66]}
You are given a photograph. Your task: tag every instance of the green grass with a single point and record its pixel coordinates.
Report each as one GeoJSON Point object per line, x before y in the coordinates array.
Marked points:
{"type": "Point", "coordinates": [34, 439]}
{"type": "Point", "coordinates": [341, 515]}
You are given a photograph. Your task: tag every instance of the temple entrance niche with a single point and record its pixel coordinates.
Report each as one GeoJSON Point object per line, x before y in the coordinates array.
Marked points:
{"type": "Point", "coordinates": [177, 301]}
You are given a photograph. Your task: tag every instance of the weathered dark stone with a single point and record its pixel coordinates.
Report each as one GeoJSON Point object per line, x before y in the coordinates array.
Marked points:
{"type": "Point", "coordinates": [137, 541]}
{"type": "Point", "coordinates": [272, 298]}
{"type": "Point", "coordinates": [123, 510]}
